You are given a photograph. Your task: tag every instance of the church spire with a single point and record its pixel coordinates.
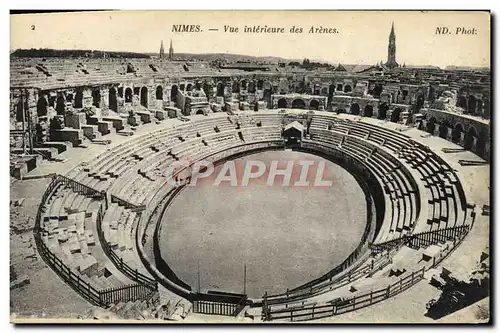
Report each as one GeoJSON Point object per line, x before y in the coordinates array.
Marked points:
{"type": "Point", "coordinates": [391, 52]}
{"type": "Point", "coordinates": [171, 52]}
{"type": "Point", "coordinates": [162, 51]}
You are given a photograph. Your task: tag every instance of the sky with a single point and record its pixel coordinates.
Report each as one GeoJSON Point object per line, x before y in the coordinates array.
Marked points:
{"type": "Point", "coordinates": [362, 36]}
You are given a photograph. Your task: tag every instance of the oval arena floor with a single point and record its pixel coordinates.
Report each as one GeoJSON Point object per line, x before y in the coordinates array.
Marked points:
{"type": "Point", "coordinates": [286, 236]}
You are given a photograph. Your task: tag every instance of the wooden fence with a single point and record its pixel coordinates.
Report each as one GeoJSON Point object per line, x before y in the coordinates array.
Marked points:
{"type": "Point", "coordinates": [103, 298]}
{"type": "Point", "coordinates": [342, 305]}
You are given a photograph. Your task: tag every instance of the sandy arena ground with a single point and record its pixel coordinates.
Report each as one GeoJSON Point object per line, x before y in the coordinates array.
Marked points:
{"type": "Point", "coordinates": [286, 236]}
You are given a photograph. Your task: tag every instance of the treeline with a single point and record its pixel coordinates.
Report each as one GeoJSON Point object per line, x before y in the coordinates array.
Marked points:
{"type": "Point", "coordinates": [307, 64]}
{"type": "Point", "coordinates": [50, 53]}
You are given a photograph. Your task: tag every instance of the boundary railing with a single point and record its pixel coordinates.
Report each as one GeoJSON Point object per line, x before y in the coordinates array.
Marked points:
{"type": "Point", "coordinates": [126, 204]}
{"type": "Point", "coordinates": [342, 305]}
{"type": "Point", "coordinates": [103, 298]}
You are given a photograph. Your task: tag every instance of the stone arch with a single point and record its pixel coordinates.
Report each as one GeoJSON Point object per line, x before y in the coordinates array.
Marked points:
{"type": "Point", "coordinates": [396, 115]}
{"type": "Point", "coordinates": [471, 104]}
{"type": "Point", "coordinates": [298, 104]}
{"type": "Point", "coordinates": [189, 87]}
{"type": "Point", "coordinates": [462, 101]}
{"type": "Point", "coordinates": [443, 130]}
{"type": "Point", "coordinates": [96, 97]}
{"type": "Point", "coordinates": [69, 98]}
{"type": "Point", "coordinates": [340, 110]}
{"type": "Point", "coordinates": [354, 109]}
{"type": "Point", "coordinates": [78, 99]}
{"type": "Point", "coordinates": [144, 97]}
{"type": "Point", "coordinates": [377, 90]}
{"type": "Point", "coordinates": [251, 87]}
{"type": "Point", "coordinates": [368, 112]}
{"type": "Point", "coordinates": [431, 125]}
{"type": "Point", "coordinates": [159, 93]}
{"type": "Point", "coordinates": [200, 112]}
{"type": "Point", "coordinates": [282, 103]}
{"type": "Point", "coordinates": [469, 138]}
{"type": "Point", "coordinates": [347, 88]}
{"type": "Point", "coordinates": [220, 89]}
{"type": "Point", "coordinates": [243, 84]}
{"type": "Point", "coordinates": [340, 87]}
{"type": "Point", "coordinates": [112, 101]}
{"type": "Point", "coordinates": [60, 104]}
{"type": "Point", "coordinates": [260, 84]}
{"type": "Point", "coordinates": [120, 92]}
{"type": "Point", "coordinates": [182, 87]}
{"type": "Point", "coordinates": [314, 104]}
{"type": "Point", "coordinates": [382, 111]}
{"type": "Point", "coordinates": [456, 133]}
{"type": "Point", "coordinates": [206, 90]}
{"type": "Point", "coordinates": [481, 143]}
{"type": "Point", "coordinates": [20, 112]}
{"type": "Point", "coordinates": [235, 87]}
{"type": "Point", "coordinates": [128, 95]}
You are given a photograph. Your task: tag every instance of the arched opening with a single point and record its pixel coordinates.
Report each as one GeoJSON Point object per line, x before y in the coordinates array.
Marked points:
{"type": "Point", "coordinates": [243, 84]}
{"type": "Point", "coordinates": [396, 115]}
{"type": "Point", "coordinates": [267, 96]}
{"type": "Point", "coordinates": [220, 89]}
{"type": "Point", "coordinates": [282, 104]}
{"type": "Point", "coordinates": [20, 112]}
{"type": "Point", "coordinates": [60, 104]}
{"type": "Point", "coordinates": [456, 133]}
{"type": "Point", "coordinates": [96, 97]}
{"type": "Point", "coordinates": [382, 111]}
{"type": "Point", "coordinates": [200, 112]}
{"type": "Point", "coordinates": [298, 104]}
{"type": "Point", "coordinates": [256, 106]}
{"type": "Point", "coordinates": [469, 138]}
{"type": "Point", "coordinates": [173, 93]}
{"type": "Point", "coordinates": [189, 87]}
{"type": "Point", "coordinates": [462, 101]}
{"type": "Point", "coordinates": [159, 93]}
{"type": "Point", "coordinates": [235, 87]}
{"type": "Point", "coordinates": [260, 84]}
{"type": "Point", "coordinates": [120, 92]}
{"type": "Point", "coordinates": [340, 87]}
{"type": "Point", "coordinates": [347, 88]}
{"type": "Point", "coordinates": [144, 97]}
{"type": "Point", "coordinates": [69, 98]}
{"type": "Point", "coordinates": [317, 90]}
{"type": "Point", "coordinates": [206, 89]}
{"type": "Point", "coordinates": [340, 110]}
{"type": "Point", "coordinates": [368, 111]}
{"type": "Point", "coordinates": [251, 87]}
{"type": "Point", "coordinates": [128, 95]}
{"type": "Point", "coordinates": [354, 109]}
{"type": "Point", "coordinates": [137, 91]}
{"type": "Point", "coordinates": [481, 143]}
{"type": "Point", "coordinates": [79, 99]}
{"type": "Point", "coordinates": [182, 87]}
{"type": "Point", "coordinates": [431, 125]}
{"type": "Point", "coordinates": [377, 90]}
{"type": "Point", "coordinates": [41, 107]}
{"type": "Point", "coordinates": [471, 105]}
{"type": "Point", "coordinates": [113, 104]}
{"type": "Point", "coordinates": [314, 105]}
{"type": "Point", "coordinates": [443, 130]}
{"type": "Point", "coordinates": [331, 90]}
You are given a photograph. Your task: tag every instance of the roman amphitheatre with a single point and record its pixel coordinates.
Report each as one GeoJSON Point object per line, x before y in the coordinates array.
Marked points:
{"type": "Point", "coordinates": [98, 232]}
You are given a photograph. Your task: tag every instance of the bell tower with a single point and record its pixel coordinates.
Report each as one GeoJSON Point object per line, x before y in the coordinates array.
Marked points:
{"type": "Point", "coordinates": [391, 52]}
